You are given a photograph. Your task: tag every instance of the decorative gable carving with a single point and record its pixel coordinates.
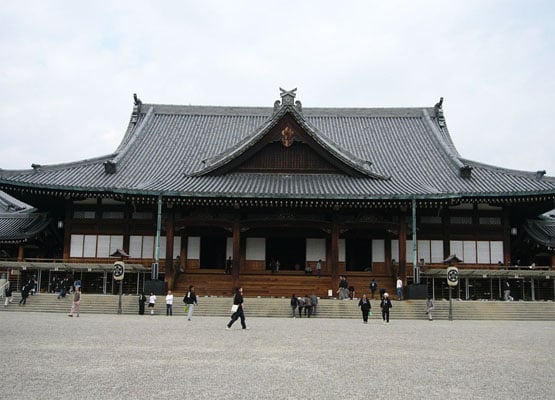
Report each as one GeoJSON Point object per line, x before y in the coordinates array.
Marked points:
{"type": "Point", "coordinates": [287, 143]}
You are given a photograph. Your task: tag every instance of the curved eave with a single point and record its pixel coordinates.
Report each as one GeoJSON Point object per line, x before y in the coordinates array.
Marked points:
{"type": "Point", "coordinates": [526, 174]}
{"type": "Point", "coordinates": [53, 167]}
{"type": "Point", "coordinates": [64, 191]}
{"type": "Point", "coordinates": [20, 228]}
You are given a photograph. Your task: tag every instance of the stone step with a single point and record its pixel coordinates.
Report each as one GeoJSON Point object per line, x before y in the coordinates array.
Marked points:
{"type": "Point", "coordinates": [279, 307]}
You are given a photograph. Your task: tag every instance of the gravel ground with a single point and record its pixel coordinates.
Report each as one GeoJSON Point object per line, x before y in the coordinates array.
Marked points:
{"type": "Point", "coordinates": [51, 356]}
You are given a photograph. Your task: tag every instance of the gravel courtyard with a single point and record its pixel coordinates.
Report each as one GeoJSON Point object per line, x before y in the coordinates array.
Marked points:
{"type": "Point", "coordinates": [51, 356]}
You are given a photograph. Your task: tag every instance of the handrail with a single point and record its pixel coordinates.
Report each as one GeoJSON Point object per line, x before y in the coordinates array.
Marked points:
{"type": "Point", "coordinates": [3, 287]}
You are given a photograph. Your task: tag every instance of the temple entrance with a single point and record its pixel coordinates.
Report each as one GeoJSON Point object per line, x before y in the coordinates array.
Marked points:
{"type": "Point", "coordinates": [212, 252]}
{"type": "Point", "coordinates": [290, 251]}
{"type": "Point", "coordinates": [358, 254]}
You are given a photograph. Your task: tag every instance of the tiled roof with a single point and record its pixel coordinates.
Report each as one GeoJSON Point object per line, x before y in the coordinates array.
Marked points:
{"type": "Point", "coordinates": [542, 229]}
{"type": "Point", "coordinates": [19, 221]}
{"type": "Point", "coordinates": [168, 145]}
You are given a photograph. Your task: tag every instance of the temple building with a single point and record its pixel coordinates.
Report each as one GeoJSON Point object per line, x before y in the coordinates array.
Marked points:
{"type": "Point", "coordinates": [263, 196]}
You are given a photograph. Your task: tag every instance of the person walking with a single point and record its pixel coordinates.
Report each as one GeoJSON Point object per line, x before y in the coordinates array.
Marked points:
{"type": "Point", "coordinates": [385, 305]}
{"type": "Point", "coordinates": [314, 300]}
{"type": "Point", "coordinates": [9, 294]}
{"type": "Point", "coordinates": [507, 291]}
{"type": "Point", "coordinates": [307, 305]}
{"type": "Point", "coordinates": [152, 302]}
{"type": "Point", "coordinates": [24, 294]}
{"type": "Point", "coordinates": [239, 313]}
{"type": "Point", "coordinates": [399, 287]}
{"type": "Point", "coordinates": [373, 287]}
{"type": "Point", "coordinates": [300, 305]}
{"type": "Point", "coordinates": [429, 308]}
{"type": "Point", "coordinates": [142, 301]}
{"type": "Point", "coordinates": [169, 304]}
{"type": "Point", "coordinates": [191, 300]}
{"type": "Point", "coordinates": [76, 304]}
{"type": "Point", "coordinates": [294, 303]}
{"type": "Point", "coordinates": [365, 307]}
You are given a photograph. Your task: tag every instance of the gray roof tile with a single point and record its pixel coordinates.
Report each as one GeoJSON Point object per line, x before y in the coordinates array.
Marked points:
{"type": "Point", "coordinates": [169, 143]}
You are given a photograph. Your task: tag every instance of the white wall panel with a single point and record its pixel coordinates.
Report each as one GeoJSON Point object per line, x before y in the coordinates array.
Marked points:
{"type": "Point", "coordinates": [116, 242]}
{"type": "Point", "coordinates": [469, 248]}
{"type": "Point", "coordinates": [315, 249]}
{"type": "Point", "coordinates": [76, 247]}
{"type": "Point", "coordinates": [496, 251]}
{"type": "Point", "coordinates": [163, 243]}
{"type": "Point", "coordinates": [456, 248]}
{"type": "Point", "coordinates": [103, 246]}
{"type": "Point", "coordinates": [193, 248]}
{"type": "Point", "coordinates": [483, 252]}
{"type": "Point", "coordinates": [395, 250]}
{"type": "Point", "coordinates": [135, 246]}
{"type": "Point", "coordinates": [89, 246]}
{"type": "Point", "coordinates": [229, 248]}
{"type": "Point", "coordinates": [378, 250]}
{"type": "Point", "coordinates": [256, 249]}
{"type": "Point", "coordinates": [148, 247]}
{"type": "Point", "coordinates": [424, 251]}
{"type": "Point", "coordinates": [341, 249]}
{"type": "Point", "coordinates": [408, 251]}
{"type": "Point", "coordinates": [176, 246]}
{"type": "Point", "coordinates": [437, 251]}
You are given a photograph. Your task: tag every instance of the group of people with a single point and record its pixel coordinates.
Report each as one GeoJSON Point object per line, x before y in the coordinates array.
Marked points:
{"type": "Point", "coordinates": [345, 292]}
{"type": "Point", "coordinates": [308, 304]}
{"type": "Point", "coordinates": [28, 289]}
{"type": "Point", "coordinates": [62, 286]}
{"type": "Point", "coordinates": [366, 307]}
{"type": "Point", "coordinates": [190, 300]}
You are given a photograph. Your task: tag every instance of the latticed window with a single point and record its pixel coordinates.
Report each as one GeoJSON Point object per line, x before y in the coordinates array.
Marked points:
{"type": "Point", "coordinates": [460, 220]}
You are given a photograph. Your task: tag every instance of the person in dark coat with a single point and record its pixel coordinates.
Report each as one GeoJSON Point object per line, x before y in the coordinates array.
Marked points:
{"type": "Point", "coordinates": [142, 301]}
{"type": "Point", "coordinates": [365, 307]}
{"type": "Point", "coordinates": [294, 303]}
{"type": "Point", "coordinates": [191, 300]}
{"type": "Point", "coordinates": [24, 294]}
{"type": "Point", "coordinates": [373, 287]}
{"type": "Point", "coordinates": [385, 305]}
{"type": "Point", "coordinates": [238, 301]}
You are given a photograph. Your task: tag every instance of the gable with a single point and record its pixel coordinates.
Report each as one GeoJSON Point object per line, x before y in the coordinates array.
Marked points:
{"type": "Point", "coordinates": [285, 148]}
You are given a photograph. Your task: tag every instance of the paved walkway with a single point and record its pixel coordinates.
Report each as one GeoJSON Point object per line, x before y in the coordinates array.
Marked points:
{"type": "Point", "coordinates": [47, 356]}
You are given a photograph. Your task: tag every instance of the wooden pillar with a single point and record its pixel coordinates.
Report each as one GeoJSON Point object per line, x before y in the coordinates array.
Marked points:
{"type": "Point", "coordinates": [507, 259]}
{"type": "Point", "coordinates": [236, 254]}
{"type": "Point", "coordinates": [403, 249]}
{"type": "Point", "coordinates": [170, 268]}
{"type": "Point", "coordinates": [67, 229]}
{"type": "Point", "coordinates": [388, 255]}
{"type": "Point", "coordinates": [446, 234]}
{"type": "Point", "coordinates": [20, 252]}
{"type": "Point", "coordinates": [334, 255]}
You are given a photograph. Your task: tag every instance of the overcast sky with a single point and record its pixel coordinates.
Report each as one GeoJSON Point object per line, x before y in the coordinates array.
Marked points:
{"type": "Point", "coordinates": [68, 69]}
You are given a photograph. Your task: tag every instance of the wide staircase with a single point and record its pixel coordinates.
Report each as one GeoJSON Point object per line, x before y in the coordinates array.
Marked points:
{"type": "Point", "coordinates": [279, 307]}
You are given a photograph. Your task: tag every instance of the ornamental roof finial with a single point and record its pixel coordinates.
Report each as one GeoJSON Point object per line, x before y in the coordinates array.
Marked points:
{"type": "Point", "coordinates": [288, 96]}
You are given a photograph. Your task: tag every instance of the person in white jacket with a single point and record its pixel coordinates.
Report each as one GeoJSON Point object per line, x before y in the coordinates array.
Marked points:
{"type": "Point", "coordinates": [152, 302]}
{"type": "Point", "coordinates": [169, 303]}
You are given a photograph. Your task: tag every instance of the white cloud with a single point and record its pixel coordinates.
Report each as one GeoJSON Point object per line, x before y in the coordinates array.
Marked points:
{"type": "Point", "coordinates": [68, 69]}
